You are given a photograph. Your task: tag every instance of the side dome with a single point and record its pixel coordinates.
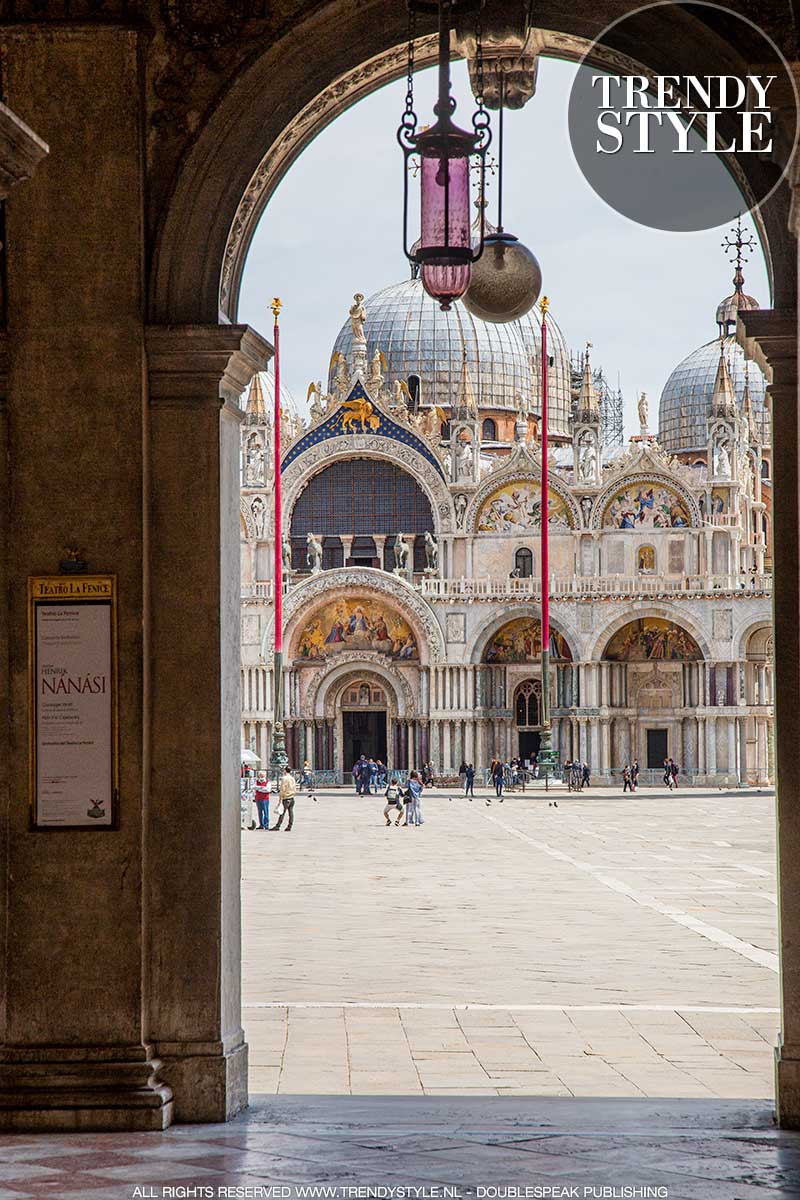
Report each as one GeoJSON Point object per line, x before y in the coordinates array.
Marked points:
{"type": "Point", "coordinates": [685, 404]}
{"type": "Point", "coordinates": [418, 339]}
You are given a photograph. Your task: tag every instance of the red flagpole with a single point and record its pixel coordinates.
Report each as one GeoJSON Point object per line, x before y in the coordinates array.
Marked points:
{"type": "Point", "coordinates": [278, 759]}
{"type": "Point", "coordinates": [276, 440]}
{"type": "Point", "coordinates": [545, 510]}
{"type": "Point", "coordinates": [546, 757]}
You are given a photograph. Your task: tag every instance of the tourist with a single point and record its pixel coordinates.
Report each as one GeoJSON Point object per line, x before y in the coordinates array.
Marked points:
{"type": "Point", "coordinates": [308, 779]}
{"type": "Point", "coordinates": [535, 765]}
{"type": "Point", "coordinates": [394, 802]}
{"type": "Point", "coordinates": [469, 781]}
{"type": "Point", "coordinates": [381, 780]}
{"type": "Point", "coordinates": [586, 775]}
{"type": "Point", "coordinates": [627, 779]}
{"type": "Point", "coordinates": [668, 774]}
{"type": "Point", "coordinates": [462, 770]}
{"type": "Point", "coordinates": [414, 815]}
{"type": "Point", "coordinates": [287, 793]}
{"type": "Point", "coordinates": [634, 775]}
{"type": "Point", "coordinates": [427, 774]}
{"type": "Point", "coordinates": [372, 777]}
{"type": "Point", "coordinates": [361, 775]}
{"type": "Point", "coordinates": [263, 791]}
{"type": "Point", "coordinates": [673, 766]}
{"type": "Point", "coordinates": [497, 779]}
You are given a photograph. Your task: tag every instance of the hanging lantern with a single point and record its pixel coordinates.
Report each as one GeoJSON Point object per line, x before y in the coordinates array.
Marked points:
{"type": "Point", "coordinates": [506, 283]}
{"type": "Point", "coordinates": [444, 252]}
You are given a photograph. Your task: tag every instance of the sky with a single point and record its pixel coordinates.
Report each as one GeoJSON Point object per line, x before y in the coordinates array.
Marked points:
{"type": "Point", "coordinates": [643, 298]}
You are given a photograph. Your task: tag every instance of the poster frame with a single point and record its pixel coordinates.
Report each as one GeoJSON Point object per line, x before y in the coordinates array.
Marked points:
{"type": "Point", "coordinates": [59, 590]}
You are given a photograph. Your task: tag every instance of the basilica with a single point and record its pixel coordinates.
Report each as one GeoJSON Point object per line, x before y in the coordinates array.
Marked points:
{"type": "Point", "coordinates": [412, 509]}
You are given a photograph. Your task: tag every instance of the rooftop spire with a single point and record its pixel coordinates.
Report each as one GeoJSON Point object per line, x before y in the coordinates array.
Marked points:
{"type": "Point", "coordinates": [747, 409]}
{"type": "Point", "coordinates": [588, 406]}
{"type": "Point", "coordinates": [723, 399]}
{"type": "Point", "coordinates": [738, 244]}
{"type": "Point", "coordinates": [255, 400]}
{"type": "Point", "coordinates": [467, 403]}
{"type": "Point", "coordinates": [738, 248]}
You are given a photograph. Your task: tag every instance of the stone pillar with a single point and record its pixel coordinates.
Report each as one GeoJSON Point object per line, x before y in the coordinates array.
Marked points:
{"type": "Point", "coordinates": [195, 376]}
{"type": "Point", "coordinates": [732, 757]}
{"type": "Point", "coordinates": [701, 745]}
{"type": "Point", "coordinates": [773, 335]}
{"type": "Point", "coordinates": [447, 762]}
{"type": "Point", "coordinates": [711, 745]}
{"type": "Point", "coordinates": [605, 744]}
{"type": "Point", "coordinates": [78, 1046]}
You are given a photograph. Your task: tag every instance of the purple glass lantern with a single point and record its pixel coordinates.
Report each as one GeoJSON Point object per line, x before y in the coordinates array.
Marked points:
{"type": "Point", "coordinates": [444, 250]}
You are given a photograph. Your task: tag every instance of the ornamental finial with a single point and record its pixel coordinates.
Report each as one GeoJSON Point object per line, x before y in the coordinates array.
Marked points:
{"type": "Point", "coordinates": [276, 306]}
{"type": "Point", "coordinates": [544, 304]}
{"type": "Point", "coordinates": [738, 245]}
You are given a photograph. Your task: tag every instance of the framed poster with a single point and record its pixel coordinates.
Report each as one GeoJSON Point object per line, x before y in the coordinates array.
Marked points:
{"type": "Point", "coordinates": [73, 704]}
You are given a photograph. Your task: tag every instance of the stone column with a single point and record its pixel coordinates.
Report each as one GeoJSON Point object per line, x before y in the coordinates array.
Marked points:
{"type": "Point", "coordinates": [711, 745]}
{"type": "Point", "coordinates": [195, 377]}
{"type": "Point", "coordinates": [446, 756]}
{"type": "Point", "coordinates": [701, 745]}
{"type": "Point", "coordinates": [732, 757]}
{"type": "Point", "coordinates": [75, 957]}
{"type": "Point", "coordinates": [773, 335]}
{"type": "Point", "coordinates": [605, 745]}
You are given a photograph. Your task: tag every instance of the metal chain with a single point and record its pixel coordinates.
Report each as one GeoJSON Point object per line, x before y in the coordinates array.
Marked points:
{"type": "Point", "coordinates": [408, 123]}
{"type": "Point", "coordinates": [480, 118]}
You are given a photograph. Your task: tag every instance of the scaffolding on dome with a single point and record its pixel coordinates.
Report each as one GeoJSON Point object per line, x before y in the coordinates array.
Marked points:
{"type": "Point", "coordinates": [611, 402]}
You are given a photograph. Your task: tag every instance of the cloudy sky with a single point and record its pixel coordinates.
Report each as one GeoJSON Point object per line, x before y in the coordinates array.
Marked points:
{"type": "Point", "coordinates": [644, 298]}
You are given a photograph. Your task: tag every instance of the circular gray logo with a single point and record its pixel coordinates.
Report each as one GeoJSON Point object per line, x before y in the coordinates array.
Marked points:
{"type": "Point", "coordinates": [704, 137]}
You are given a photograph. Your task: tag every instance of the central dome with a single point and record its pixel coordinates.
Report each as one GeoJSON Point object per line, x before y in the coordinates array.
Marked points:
{"type": "Point", "coordinates": [504, 360]}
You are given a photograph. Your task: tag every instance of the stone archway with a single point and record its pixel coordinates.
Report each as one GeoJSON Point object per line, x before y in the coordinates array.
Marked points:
{"type": "Point", "coordinates": [171, 1014]}
{"type": "Point", "coordinates": [282, 98]}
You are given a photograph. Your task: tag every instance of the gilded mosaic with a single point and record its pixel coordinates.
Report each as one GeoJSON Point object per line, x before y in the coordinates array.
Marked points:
{"type": "Point", "coordinates": [355, 623]}
{"type": "Point", "coordinates": [649, 505]}
{"type": "Point", "coordinates": [520, 641]}
{"type": "Point", "coordinates": [516, 507]}
{"type": "Point", "coordinates": [652, 638]}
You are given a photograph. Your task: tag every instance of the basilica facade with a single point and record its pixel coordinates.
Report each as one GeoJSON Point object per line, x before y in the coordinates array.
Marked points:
{"type": "Point", "coordinates": [411, 548]}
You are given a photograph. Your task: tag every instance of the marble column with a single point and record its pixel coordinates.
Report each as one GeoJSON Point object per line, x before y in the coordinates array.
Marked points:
{"type": "Point", "coordinates": [711, 745]}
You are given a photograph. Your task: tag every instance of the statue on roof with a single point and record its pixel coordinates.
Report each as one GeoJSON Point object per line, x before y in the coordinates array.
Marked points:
{"type": "Point", "coordinates": [358, 317]}
{"type": "Point", "coordinates": [644, 410]}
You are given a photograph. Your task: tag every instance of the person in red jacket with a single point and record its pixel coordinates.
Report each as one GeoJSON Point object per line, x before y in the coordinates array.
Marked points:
{"type": "Point", "coordinates": [263, 793]}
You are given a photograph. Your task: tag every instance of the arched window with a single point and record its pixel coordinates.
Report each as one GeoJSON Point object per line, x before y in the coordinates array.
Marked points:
{"type": "Point", "coordinates": [415, 391]}
{"type": "Point", "coordinates": [361, 498]}
{"type": "Point", "coordinates": [445, 431]}
{"type": "Point", "coordinates": [523, 563]}
{"type": "Point", "coordinates": [764, 469]}
{"type": "Point", "coordinates": [489, 430]}
{"type": "Point", "coordinates": [527, 706]}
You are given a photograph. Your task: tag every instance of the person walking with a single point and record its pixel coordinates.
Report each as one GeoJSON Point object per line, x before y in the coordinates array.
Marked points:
{"type": "Point", "coordinates": [634, 774]}
{"type": "Point", "coordinates": [287, 793]}
{"type": "Point", "coordinates": [372, 777]}
{"type": "Point", "coordinates": [263, 792]}
{"type": "Point", "coordinates": [469, 781]}
{"type": "Point", "coordinates": [497, 779]}
{"type": "Point", "coordinates": [307, 777]}
{"type": "Point", "coordinates": [394, 803]}
{"type": "Point", "coordinates": [382, 780]}
{"type": "Point", "coordinates": [415, 787]}
{"type": "Point", "coordinates": [627, 779]}
{"type": "Point", "coordinates": [462, 770]}
{"type": "Point", "coordinates": [586, 775]}
{"type": "Point", "coordinates": [667, 774]}
{"type": "Point", "coordinates": [673, 766]}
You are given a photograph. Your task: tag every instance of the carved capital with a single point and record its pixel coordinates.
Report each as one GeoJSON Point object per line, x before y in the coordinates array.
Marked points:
{"type": "Point", "coordinates": [193, 366]}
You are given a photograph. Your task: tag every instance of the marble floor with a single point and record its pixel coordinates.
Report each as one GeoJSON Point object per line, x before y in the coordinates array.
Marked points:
{"type": "Point", "coordinates": [429, 1148]}
{"type": "Point", "coordinates": [571, 1003]}
{"type": "Point", "coordinates": [611, 946]}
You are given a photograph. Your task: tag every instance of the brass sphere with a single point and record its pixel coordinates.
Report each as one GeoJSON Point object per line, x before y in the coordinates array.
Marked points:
{"type": "Point", "coordinates": [506, 280]}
